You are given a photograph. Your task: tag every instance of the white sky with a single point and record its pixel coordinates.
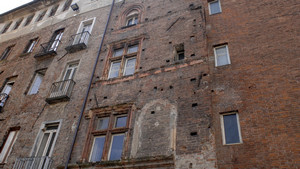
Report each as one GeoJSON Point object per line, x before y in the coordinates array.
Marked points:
{"type": "Point", "coordinates": [7, 5]}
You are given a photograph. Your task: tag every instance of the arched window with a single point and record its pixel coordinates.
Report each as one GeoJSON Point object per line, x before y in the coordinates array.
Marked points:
{"type": "Point", "coordinates": [132, 18]}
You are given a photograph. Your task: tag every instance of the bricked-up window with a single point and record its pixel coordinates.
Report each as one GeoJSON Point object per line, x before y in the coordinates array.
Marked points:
{"type": "Point", "coordinates": [37, 81]}
{"type": "Point", "coordinates": [231, 131]}
{"type": "Point", "coordinates": [41, 16]}
{"type": "Point", "coordinates": [221, 55]}
{"type": "Point", "coordinates": [31, 44]}
{"type": "Point", "coordinates": [109, 130]}
{"type": "Point", "coordinates": [53, 10]}
{"type": "Point", "coordinates": [29, 19]}
{"type": "Point", "coordinates": [123, 59]}
{"type": "Point", "coordinates": [214, 7]}
{"type": "Point", "coordinates": [17, 24]}
{"type": "Point", "coordinates": [8, 143]}
{"type": "Point", "coordinates": [67, 5]}
{"type": "Point", "coordinates": [6, 52]}
{"type": "Point", "coordinates": [6, 27]}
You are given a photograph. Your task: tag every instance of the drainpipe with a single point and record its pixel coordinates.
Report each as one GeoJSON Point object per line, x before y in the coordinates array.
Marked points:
{"type": "Point", "coordinates": [89, 87]}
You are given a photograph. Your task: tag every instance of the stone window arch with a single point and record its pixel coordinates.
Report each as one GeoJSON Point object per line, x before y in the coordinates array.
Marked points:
{"type": "Point", "coordinates": [132, 16]}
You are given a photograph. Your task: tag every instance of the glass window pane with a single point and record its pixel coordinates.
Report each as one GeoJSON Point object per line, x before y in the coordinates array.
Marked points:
{"type": "Point", "coordinates": [7, 144]}
{"type": "Point", "coordinates": [116, 147]}
{"type": "Point", "coordinates": [231, 129]}
{"type": "Point", "coordinates": [36, 84]}
{"type": "Point", "coordinates": [121, 121]}
{"type": "Point", "coordinates": [102, 123]}
{"type": "Point", "coordinates": [50, 144]}
{"type": "Point", "coordinates": [43, 144]}
{"type": "Point", "coordinates": [133, 49]}
{"type": "Point", "coordinates": [222, 56]}
{"type": "Point", "coordinates": [114, 70]}
{"type": "Point", "coordinates": [97, 149]}
{"type": "Point", "coordinates": [118, 52]}
{"type": "Point", "coordinates": [130, 66]}
{"type": "Point", "coordinates": [215, 7]}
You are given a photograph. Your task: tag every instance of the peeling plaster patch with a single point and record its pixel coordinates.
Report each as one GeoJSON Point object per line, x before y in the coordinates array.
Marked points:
{"type": "Point", "coordinates": [163, 121]}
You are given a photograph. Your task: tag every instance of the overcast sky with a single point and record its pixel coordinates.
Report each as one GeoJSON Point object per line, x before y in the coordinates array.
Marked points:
{"type": "Point", "coordinates": [7, 5]}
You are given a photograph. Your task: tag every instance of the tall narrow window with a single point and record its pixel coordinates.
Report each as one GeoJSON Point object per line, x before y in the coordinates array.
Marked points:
{"type": "Point", "coordinates": [70, 71]}
{"type": "Point", "coordinates": [53, 10]}
{"type": "Point", "coordinates": [31, 44]}
{"type": "Point", "coordinates": [41, 16]}
{"type": "Point", "coordinates": [18, 23]}
{"type": "Point", "coordinates": [29, 19]}
{"type": "Point", "coordinates": [55, 40]}
{"type": "Point", "coordinates": [67, 5]}
{"type": "Point", "coordinates": [6, 27]}
{"type": "Point", "coordinates": [221, 55]}
{"type": "Point", "coordinates": [37, 80]}
{"type": "Point", "coordinates": [6, 148]}
{"type": "Point", "coordinates": [214, 7]}
{"type": "Point", "coordinates": [6, 90]}
{"type": "Point", "coordinates": [179, 52]}
{"type": "Point", "coordinates": [123, 60]}
{"type": "Point", "coordinates": [6, 52]}
{"type": "Point", "coordinates": [231, 128]}
{"type": "Point", "coordinates": [109, 133]}
{"type": "Point", "coordinates": [84, 32]}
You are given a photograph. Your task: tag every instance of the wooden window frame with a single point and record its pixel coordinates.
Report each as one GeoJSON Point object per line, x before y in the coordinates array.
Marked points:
{"type": "Point", "coordinates": [123, 58]}
{"type": "Point", "coordinates": [113, 113]}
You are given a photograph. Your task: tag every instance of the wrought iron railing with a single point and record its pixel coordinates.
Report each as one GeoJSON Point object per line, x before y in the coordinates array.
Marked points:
{"type": "Point", "coordinates": [33, 163]}
{"type": "Point", "coordinates": [3, 98]}
{"type": "Point", "coordinates": [78, 41]}
{"type": "Point", "coordinates": [61, 90]}
{"type": "Point", "coordinates": [49, 47]}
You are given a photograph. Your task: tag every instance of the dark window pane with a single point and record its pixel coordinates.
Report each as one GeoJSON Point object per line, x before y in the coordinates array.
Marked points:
{"type": "Point", "coordinates": [102, 123]}
{"type": "Point", "coordinates": [181, 56]}
{"type": "Point", "coordinates": [116, 147]}
{"type": "Point", "coordinates": [121, 122]}
{"type": "Point", "coordinates": [231, 129]}
{"type": "Point", "coordinates": [98, 149]}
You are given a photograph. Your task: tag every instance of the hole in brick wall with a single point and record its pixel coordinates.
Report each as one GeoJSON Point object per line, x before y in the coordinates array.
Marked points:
{"type": "Point", "coordinates": [90, 100]}
{"type": "Point", "coordinates": [155, 88]}
{"type": "Point", "coordinates": [192, 55]}
{"type": "Point", "coordinates": [146, 19]}
{"type": "Point", "coordinates": [74, 117]}
{"type": "Point", "coordinates": [169, 11]}
{"type": "Point", "coordinates": [194, 104]}
{"type": "Point", "coordinates": [194, 92]}
{"type": "Point", "coordinates": [1, 72]}
{"type": "Point", "coordinates": [194, 20]}
{"type": "Point", "coordinates": [171, 87]}
{"type": "Point", "coordinates": [170, 42]}
{"type": "Point", "coordinates": [152, 112]}
{"type": "Point", "coordinates": [168, 61]}
{"type": "Point", "coordinates": [97, 77]}
{"type": "Point", "coordinates": [111, 29]}
{"type": "Point", "coordinates": [212, 91]}
{"type": "Point", "coordinates": [149, 7]}
{"type": "Point", "coordinates": [143, 50]}
{"type": "Point", "coordinates": [105, 97]}
{"type": "Point", "coordinates": [193, 79]}
{"type": "Point", "coordinates": [140, 91]}
{"type": "Point", "coordinates": [101, 60]}
{"type": "Point", "coordinates": [141, 67]}
{"type": "Point", "coordinates": [161, 89]}
{"type": "Point", "coordinates": [204, 74]}
{"type": "Point", "coordinates": [191, 165]}
{"type": "Point", "coordinates": [194, 133]}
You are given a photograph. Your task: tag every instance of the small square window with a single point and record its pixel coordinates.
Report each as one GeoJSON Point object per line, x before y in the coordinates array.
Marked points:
{"type": "Point", "coordinates": [215, 7]}
{"type": "Point", "coordinates": [121, 121]}
{"type": "Point", "coordinates": [102, 123]}
{"type": "Point", "coordinates": [221, 55]}
{"type": "Point", "coordinates": [132, 49]}
{"type": "Point", "coordinates": [231, 128]}
{"type": "Point", "coordinates": [118, 52]}
{"type": "Point", "coordinates": [179, 50]}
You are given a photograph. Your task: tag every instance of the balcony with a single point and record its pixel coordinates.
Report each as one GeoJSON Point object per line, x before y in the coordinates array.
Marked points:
{"type": "Point", "coordinates": [3, 98]}
{"type": "Point", "coordinates": [33, 163]}
{"type": "Point", "coordinates": [60, 91]}
{"type": "Point", "coordinates": [48, 49]}
{"type": "Point", "coordinates": [78, 42]}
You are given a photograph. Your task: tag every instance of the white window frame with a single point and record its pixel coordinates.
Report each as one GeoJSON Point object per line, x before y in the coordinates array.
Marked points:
{"type": "Point", "coordinates": [4, 154]}
{"type": "Point", "coordinates": [219, 6]}
{"type": "Point", "coordinates": [82, 24]}
{"type": "Point", "coordinates": [40, 135]}
{"type": "Point", "coordinates": [34, 81]}
{"type": "Point", "coordinates": [216, 57]}
{"type": "Point", "coordinates": [223, 128]}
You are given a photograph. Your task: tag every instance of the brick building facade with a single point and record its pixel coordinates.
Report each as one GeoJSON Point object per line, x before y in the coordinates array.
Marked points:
{"type": "Point", "coordinates": [150, 84]}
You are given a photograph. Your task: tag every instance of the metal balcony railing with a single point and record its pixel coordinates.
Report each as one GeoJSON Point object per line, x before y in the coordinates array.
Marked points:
{"type": "Point", "coordinates": [48, 48]}
{"type": "Point", "coordinates": [3, 98]}
{"type": "Point", "coordinates": [78, 42]}
{"type": "Point", "coordinates": [60, 91]}
{"type": "Point", "coordinates": [33, 163]}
